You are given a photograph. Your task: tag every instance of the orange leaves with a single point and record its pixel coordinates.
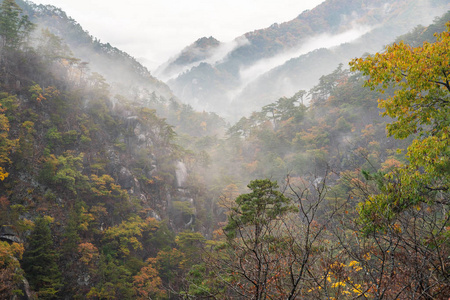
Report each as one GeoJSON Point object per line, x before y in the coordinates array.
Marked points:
{"type": "Point", "coordinates": [203, 125]}
{"type": "Point", "coordinates": [88, 253]}
{"type": "Point", "coordinates": [38, 94]}
{"type": "Point", "coordinates": [252, 167]}
{"type": "Point", "coordinates": [390, 164]}
{"type": "Point", "coordinates": [9, 254]}
{"type": "Point", "coordinates": [147, 283]}
{"type": "Point", "coordinates": [10, 272]}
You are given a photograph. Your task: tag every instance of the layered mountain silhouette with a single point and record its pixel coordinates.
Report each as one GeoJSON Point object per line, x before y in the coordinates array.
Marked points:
{"type": "Point", "coordinates": [238, 77]}
{"type": "Point", "coordinates": [258, 67]}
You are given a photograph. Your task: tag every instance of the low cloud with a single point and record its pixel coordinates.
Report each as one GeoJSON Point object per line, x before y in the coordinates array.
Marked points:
{"type": "Point", "coordinates": [317, 42]}
{"type": "Point", "coordinates": [222, 51]}
{"type": "Point", "coordinates": [218, 55]}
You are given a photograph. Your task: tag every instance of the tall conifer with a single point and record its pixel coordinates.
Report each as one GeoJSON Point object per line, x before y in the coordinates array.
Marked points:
{"type": "Point", "coordinates": [40, 261]}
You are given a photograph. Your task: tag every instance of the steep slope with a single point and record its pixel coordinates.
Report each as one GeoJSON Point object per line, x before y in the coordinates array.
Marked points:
{"type": "Point", "coordinates": [303, 72]}
{"type": "Point", "coordinates": [350, 183]}
{"type": "Point", "coordinates": [92, 183]}
{"type": "Point", "coordinates": [115, 65]}
{"type": "Point", "coordinates": [360, 25]}
{"type": "Point", "coordinates": [199, 51]}
{"type": "Point", "coordinates": [95, 187]}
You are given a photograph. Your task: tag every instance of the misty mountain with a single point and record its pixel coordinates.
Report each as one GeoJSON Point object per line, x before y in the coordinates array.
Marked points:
{"type": "Point", "coordinates": [201, 50]}
{"type": "Point", "coordinates": [105, 195]}
{"type": "Point", "coordinates": [114, 65]}
{"type": "Point", "coordinates": [263, 65]}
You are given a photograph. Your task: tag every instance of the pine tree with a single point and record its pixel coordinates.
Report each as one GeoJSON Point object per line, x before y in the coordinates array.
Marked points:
{"type": "Point", "coordinates": [14, 28]}
{"type": "Point", "coordinates": [40, 261]}
{"type": "Point", "coordinates": [255, 240]}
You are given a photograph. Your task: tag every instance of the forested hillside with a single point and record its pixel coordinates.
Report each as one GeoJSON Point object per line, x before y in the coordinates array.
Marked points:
{"type": "Point", "coordinates": [269, 63]}
{"type": "Point", "coordinates": [118, 67]}
{"type": "Point", "coordinates": [328, 193]}
{"type": "Point", "coordinates": [88, 178]}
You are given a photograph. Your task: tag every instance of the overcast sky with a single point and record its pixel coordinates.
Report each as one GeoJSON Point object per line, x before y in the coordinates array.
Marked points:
{"type": "Point", "coordinates": [155, 30]}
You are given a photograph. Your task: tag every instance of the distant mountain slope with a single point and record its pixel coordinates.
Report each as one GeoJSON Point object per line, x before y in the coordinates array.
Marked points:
{"type": "Point", "coordinates": [200, 50]}
{"type": "Point", "coordinates": [243, 79]}
{"type": "Point", "coordinates": [302, 72]}
{"type": "Point", "coordinates": [113, 64]}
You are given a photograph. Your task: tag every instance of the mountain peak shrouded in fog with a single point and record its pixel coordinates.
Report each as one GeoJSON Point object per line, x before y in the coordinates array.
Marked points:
{"type": "Point", "coordinates": [112, 188]}
{"type": "Point", "coordinates": [244, 77]}
{"type": "Point", "coordinates": [201, 50]}
{"type": "Point", "coordinates": [157, 30]}
{"type": "Point", "coordinates": [258, 66]}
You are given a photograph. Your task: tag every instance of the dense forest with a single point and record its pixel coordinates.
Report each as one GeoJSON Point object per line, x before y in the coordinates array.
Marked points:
{"type": "Point", "coordinates": [338, 192]}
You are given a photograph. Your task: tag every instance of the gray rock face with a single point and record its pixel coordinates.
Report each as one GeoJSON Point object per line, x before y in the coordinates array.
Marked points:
{"type": "Point", "coordinates": [26, 290]}
{"type": "Point", "coordinates": [84, 279]}
{"type": "Point", "coordinates": [126, 179]}
{"type": "Point", "coordinates": [8, 234]}
{"type": "Point", "coordinates": [154, 215]}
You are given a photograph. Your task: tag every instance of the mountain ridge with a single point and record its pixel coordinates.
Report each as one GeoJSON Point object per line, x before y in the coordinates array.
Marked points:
{"type": "Point", "coordinates": [112, 63]}
{"type": "Point", "coordinates": [219, 85]}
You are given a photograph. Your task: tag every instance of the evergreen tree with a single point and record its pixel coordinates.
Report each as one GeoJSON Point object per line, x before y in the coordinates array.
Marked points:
{"type": "Point", "coordinates": [40, 261]}
{"type": "Point", "coordinates": [14, 28]}
{"type": "Point", "coordinates": [255, 240]}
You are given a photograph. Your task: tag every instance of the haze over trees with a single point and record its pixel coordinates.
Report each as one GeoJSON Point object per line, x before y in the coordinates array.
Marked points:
{"type": "Point", "coordinates": [266, 64]}
{"type": "Point", "coordinates": [111, 192]}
